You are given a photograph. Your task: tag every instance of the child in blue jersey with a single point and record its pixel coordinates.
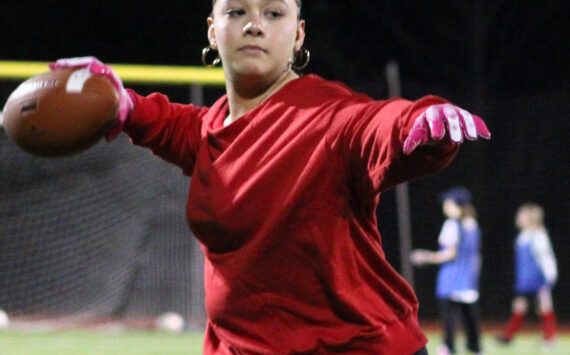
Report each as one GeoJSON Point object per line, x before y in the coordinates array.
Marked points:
{"type": "Point", "coordinates": [458, 278]}
{"type": "Point", "coordinates": [535, 273]}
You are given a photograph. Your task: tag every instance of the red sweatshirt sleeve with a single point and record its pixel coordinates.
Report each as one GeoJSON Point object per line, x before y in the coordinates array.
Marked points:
{"type": "Point", "coordinates": [371, 140]}
{"type": "Point", "coordinates": [170, 130]}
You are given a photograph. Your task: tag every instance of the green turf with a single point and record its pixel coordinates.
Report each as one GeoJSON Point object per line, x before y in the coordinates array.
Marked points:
{"type": "Point", "coordinates": [99, 343]}
{"type": "Point", "coordinates": [523, 344]}
{"type": "Point", "coordinates": [154, 343]}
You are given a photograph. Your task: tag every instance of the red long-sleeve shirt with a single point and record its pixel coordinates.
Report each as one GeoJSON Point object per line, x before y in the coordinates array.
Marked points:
{"type": "Point", "coordinates": [283, 203]}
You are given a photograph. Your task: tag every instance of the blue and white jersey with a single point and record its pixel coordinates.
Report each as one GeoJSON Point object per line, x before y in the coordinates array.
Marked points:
{"type": "Point", "coordinates": [535, 264]}
{"type": "Point", "coordinates": [458, 279]}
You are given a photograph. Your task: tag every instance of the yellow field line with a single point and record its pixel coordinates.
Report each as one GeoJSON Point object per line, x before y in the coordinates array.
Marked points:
{"type": "Point", "coordinates": [129, 73]}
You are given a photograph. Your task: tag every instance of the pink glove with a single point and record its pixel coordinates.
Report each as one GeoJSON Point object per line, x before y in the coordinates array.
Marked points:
{"type": "Point", "coordinates": [430, 126]}
{"type": "Point", "coordinates": [96, 67]}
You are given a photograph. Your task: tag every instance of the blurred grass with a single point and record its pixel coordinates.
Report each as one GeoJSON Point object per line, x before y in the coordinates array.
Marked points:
{"type": "Point", "coordinates": [99, 343]}
{"type": "Point", "coordinates": [157, 343]}
{"type": "Point", "coordinates": [522, 344]}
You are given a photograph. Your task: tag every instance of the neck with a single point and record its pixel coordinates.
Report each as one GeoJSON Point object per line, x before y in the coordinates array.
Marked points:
{"type": "Point", "coordinates": [245, 94]}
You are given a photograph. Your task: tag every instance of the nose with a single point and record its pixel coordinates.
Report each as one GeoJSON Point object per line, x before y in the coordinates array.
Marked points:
{"type": "Point", "coordinates": [253, 28]}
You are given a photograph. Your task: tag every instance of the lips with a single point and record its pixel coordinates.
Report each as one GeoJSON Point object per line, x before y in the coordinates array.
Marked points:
{"type": "Point", "coordinates": [252, 49]}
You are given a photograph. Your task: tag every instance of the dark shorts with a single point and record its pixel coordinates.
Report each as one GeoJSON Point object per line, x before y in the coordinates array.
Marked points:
{"type": "Point", "coordinates": [422, 351]}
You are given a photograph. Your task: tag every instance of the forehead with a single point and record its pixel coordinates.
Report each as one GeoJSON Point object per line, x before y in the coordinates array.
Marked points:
{"type": "Point", "coordinates": [221, 4]}
{"type": "Point", "coordinates": [527, 212]}
{"type": "Point", "coordinates": [285, 2]}
{"type": "Point", "coordinates": [293, 3]}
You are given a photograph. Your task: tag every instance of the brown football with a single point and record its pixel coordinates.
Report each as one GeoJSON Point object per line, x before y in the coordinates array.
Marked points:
{"type": "Point", "coordinates": [60, 112]}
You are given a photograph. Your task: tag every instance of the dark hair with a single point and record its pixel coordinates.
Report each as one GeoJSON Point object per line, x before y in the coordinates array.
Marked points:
{"type": "Point", "coordinates": [468, 210]}
{"type": "Point", "coordinates": [459, 194]}
{"type": "Point", "coordinates": [297, 1]}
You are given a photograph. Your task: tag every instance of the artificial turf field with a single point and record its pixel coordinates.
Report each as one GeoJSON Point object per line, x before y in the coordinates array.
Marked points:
{"type": "Point", "coordinates": [156, 343]}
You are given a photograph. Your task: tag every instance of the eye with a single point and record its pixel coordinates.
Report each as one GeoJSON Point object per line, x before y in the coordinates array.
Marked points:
{"type": "Point", "coordinates": [273, 13]}
{"type": "Point", "coordinates": [235, 13]}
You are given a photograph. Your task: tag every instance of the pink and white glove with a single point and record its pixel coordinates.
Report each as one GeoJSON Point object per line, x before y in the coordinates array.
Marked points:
{"type": "Point", "coordinates": [431, 125]}
{"type": "Point", "coordinates": [96, 67]}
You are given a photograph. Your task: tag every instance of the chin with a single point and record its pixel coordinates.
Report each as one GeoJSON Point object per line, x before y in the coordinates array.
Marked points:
{"type": "Point", "coordinates": [252, 71]}
{"type": "Point", "coordinates": [254, 67]}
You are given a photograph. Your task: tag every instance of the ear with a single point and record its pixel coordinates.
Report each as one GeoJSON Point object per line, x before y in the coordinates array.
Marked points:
{"type": "Point", "coordinates": [211, 33]}
{"type": "Point", "coordinates": [300, 39]}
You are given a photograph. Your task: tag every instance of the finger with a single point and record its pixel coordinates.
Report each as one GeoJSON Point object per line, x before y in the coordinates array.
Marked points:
{"type": "Point", "coordinates": [435, 122]}
{"type": "Point", "coordinates": [452, 119]}
{"type": "Point", "coordinates": [468, 125]}
{"type": "Point", "coordinates": [99, 68]}
{"type": "Point", "coordinates": [418, 134]}
{"type": "Point", "coordinates": [481, 128]}
{"type": "Point", "coordinates": [412, 142]}
{"type": "Point", "coordinates": [71, 63]}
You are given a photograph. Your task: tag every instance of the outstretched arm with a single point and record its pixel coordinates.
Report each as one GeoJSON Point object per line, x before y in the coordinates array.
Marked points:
{"type": "Point", "coordinates": [448, 240]}
{"type": "Point", "coordinates": [421, 257]}
{"type": "Point", "coordinates": [388, 142]}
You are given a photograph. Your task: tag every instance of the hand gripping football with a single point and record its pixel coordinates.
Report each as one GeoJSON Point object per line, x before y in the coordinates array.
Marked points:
{"type": "Point", "coordinates": [61, 112]}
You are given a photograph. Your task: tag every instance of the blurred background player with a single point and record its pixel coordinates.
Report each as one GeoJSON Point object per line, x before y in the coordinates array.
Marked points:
{"type": "Point", "coordinates": [458, 278]}
{"type": "Point", "coordinates": [535, 273]}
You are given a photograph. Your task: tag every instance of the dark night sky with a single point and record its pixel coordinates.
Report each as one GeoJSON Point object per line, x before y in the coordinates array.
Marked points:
{"type": "Point", "coordinates": [506, 60]}
{"type": "Point", "coordinates": [448, 44]}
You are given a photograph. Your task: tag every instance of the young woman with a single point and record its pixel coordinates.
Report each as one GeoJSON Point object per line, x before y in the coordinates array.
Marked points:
{"type": "Point", "coordinates": [286, 175]}
{"type": "Point", "coordinates": [535, 273]}
{"type": "Point", "coordinates": [458, 278]}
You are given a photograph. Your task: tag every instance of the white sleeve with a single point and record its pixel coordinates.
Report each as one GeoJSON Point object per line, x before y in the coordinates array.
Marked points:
{"type": "Point", "coordinates": [449, 235]}
{"type": "Point", "coordinates": [542, 251]}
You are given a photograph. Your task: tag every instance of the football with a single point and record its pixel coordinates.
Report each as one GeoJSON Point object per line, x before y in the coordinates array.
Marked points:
{"type": "Point", "coordinates": [60, 112]}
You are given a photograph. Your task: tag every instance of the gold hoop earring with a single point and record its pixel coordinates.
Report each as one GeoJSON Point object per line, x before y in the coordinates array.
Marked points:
{"type": "Point", "coordinates": [205, 52]}
{"type": "Point", "coordinates": [301, 59]}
